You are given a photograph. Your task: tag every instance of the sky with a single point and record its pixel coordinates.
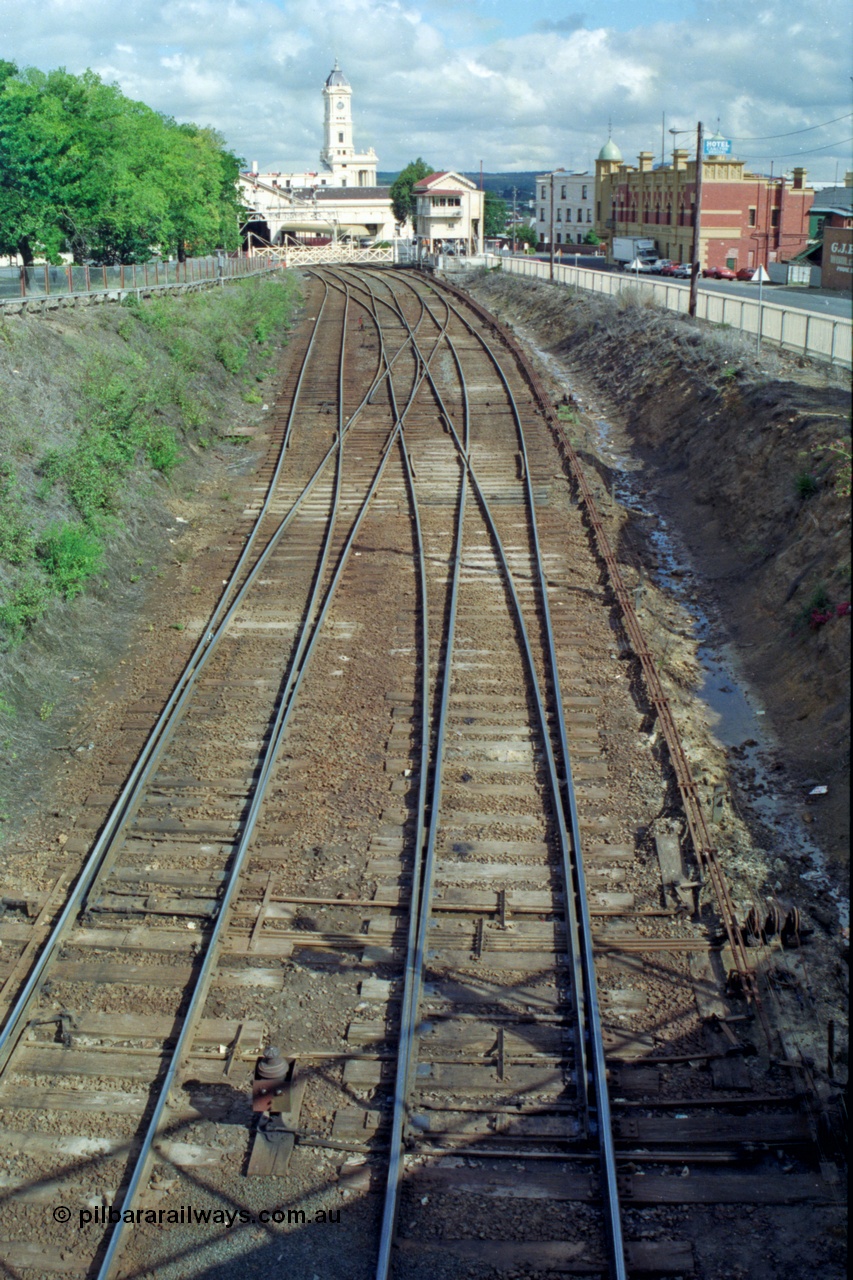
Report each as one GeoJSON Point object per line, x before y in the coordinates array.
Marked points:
{"type": "Point", "coordinates": [514, 84]}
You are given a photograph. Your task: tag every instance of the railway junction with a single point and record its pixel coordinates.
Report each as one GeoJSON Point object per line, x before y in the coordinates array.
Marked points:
{"type": "Point", "coordinates": [397, 939]}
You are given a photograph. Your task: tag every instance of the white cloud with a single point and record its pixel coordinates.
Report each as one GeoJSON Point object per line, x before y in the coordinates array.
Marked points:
{"type": "Point", "coordinates": [429, 79]}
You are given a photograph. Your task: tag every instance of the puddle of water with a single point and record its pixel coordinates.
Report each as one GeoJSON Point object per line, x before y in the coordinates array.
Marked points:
{"type": "Point", "coordinates": [733, 719]}
{"type": "Point", "coordinates": [734, 713]}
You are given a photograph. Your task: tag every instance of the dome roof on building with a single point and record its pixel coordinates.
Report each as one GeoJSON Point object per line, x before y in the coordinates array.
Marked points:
{"type": "Point", "coordinates": [337, 77]}
{"type": "Point", "coordinates": [610, 151]}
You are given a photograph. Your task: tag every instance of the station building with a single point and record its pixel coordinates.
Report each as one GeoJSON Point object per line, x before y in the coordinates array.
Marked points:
{"type": "Point", "coordinates": [747, 219]}
{"type": "Point", "coordinates": [339, 200]}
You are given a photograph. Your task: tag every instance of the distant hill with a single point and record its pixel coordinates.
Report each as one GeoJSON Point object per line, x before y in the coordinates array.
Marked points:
{"type": "Point", "coordinates": [501, 183]}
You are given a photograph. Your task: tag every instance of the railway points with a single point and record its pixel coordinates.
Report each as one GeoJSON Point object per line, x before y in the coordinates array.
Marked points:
{"type": "Point", "coordinates": [407, 902]}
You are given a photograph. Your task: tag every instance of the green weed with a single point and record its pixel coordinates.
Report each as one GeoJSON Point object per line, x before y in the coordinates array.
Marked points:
{"type": "Point", "coordinates": [70, 554]}
{"type": "Point", "coordinates": [805, 484]}
{"type": "Point", "coordinates": [25, 603]}
{"type": "Point", "coordinates": [46, 710]}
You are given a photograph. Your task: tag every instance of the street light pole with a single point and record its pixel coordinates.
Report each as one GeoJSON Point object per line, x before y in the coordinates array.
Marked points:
{"type": "Point", "coordinates": [694, 271]}
{"type": "Point", "coordinates": [514, 216]}
{"type": "Point", "coordinates": [552, 226]}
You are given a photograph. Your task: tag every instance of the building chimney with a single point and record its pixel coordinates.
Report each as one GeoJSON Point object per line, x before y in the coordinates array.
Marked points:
{"type": "Point", "coordinates": [799, 179]}
{"type": "Point", "coordinates": [254, 166]}
{"type": "Point", "coordinates": [679, 159]}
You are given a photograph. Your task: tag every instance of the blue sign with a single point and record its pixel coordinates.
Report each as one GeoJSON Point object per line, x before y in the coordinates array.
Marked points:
{"type": "Point", "coordinates": [717, 147]}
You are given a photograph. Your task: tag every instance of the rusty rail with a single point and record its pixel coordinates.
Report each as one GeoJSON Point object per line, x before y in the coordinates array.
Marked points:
{"type": "Point", "coordinates": [704, 848]}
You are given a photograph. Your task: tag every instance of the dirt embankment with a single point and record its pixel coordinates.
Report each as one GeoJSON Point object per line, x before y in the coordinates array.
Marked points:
{"type": "Point", "coordinates": [739, 455]}
{"type": "Point", "coordinates": [124, 432]}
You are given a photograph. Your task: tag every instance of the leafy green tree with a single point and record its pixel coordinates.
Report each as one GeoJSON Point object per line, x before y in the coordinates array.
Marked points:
{"type": "Point", "coordinates": [494, 215]}
{"type": "Point", "coordinates": [527, 235]}
{"type": "Point", "coordinates": [87, 170]}
{"type": "Point", "coordinates": [591, 238]}
{"type": "Point", "coordinates": [403, 199]}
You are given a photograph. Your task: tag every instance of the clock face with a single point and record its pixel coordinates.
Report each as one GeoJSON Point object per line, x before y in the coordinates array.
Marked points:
{"type": "Point", "coordinates": [340, 106]}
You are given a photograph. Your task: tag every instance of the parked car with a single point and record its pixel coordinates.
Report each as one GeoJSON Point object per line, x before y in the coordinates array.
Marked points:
{"type": "Point", "coordinates": [746, 273]}
{"type": "Point", "coordinates": [719, 273]}
{"type": "Point", "coordinates": [661, 267]}
{"type": "Point", "coordinates": [683, 271]}
{"type": "Point", "coordinates": [670, 269]}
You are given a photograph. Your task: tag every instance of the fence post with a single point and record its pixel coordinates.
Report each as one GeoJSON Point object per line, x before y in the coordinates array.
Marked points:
{"type": "Point", "coordinates": [104, 269]}
{"type": "Point", "coordinates": [88, 278]}
{"type": "Point", "coordinates": [806, 342]}
{"type": "Point", "coordinates": [832, 344]}
{"type": "Point", "coordinates": [70, 274]}
{"type": "Point", "coordinates": [46, 279]}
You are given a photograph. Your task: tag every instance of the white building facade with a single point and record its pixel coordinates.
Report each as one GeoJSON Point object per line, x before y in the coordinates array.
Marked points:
{"type": "Point", "coordinates": [565, 207]}
{"type": "Point", "coordinates": [339, 201]}
{"type": "Point", "coordinates": [449, 214]}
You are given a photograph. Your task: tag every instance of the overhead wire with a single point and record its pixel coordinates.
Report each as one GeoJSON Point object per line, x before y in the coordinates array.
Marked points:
{"type": "Point", "coordinates": [787, 155]}
{"type": "Point", "coordinates": [771, 137]}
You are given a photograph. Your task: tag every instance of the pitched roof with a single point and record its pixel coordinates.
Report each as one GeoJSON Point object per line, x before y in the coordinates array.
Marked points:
{"type": "Point", "coordinates": [833, 200]}
{"type": "Point", "coordinates": [427, 183]}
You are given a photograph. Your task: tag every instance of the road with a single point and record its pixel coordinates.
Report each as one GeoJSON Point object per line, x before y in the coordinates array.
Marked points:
{"type": "Point", "coordinates": [819, 300]}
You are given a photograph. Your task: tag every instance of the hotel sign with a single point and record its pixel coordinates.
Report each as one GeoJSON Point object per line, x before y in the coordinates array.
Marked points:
{"type": "Point", "coordinates": [717, 147]}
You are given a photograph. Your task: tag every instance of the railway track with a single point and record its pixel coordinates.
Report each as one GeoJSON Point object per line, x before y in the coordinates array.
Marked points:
{"type": "Point", "coordinates": [399, 864]}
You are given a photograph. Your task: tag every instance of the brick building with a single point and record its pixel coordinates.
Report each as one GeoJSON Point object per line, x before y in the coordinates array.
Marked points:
{"type": "Point", "coordinates": [747, 219]}
{"type": "Point", "coordinates": [832, 227]}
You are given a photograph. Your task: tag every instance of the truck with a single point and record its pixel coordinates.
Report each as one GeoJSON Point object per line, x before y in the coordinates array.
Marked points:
{"type": "Point", "coordinates": [630, 248]}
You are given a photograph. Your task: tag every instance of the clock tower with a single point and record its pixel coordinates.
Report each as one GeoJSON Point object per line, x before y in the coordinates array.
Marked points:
{"type": "Point", "coordinates": [349, 168]}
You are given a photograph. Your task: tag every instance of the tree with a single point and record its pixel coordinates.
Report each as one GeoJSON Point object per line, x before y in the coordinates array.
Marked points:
{"type": "Point", "coordinates": [494, 215]}
{"type": "Point", "coordinates": [85, 169]}
{"type": "Point", "coordinates": [591, 238]}
{"type": "Point", "coordinates": [527, 235]}
{"type": "Point", "coordinates": [403, 198]}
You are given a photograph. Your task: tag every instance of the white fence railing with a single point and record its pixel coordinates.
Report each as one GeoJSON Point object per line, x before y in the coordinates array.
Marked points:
{"type": "Point", "coordinates": [809, 333]}
{"type": "Point", "coordinates": [327, 254]}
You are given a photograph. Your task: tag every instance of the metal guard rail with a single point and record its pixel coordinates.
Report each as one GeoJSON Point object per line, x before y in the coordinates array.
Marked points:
{"type": "Point", "coordinates": [808, 333]}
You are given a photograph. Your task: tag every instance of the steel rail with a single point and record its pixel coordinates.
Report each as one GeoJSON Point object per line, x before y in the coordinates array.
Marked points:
{"type": "Point", "coordinates": [129, 799]}
{"type": "Point", "coordinates": [409, 1031]}
{"type": "Point", "coordinates": [704, 847]}
{"type": "Point", "coordinates": [422, 868]}
{"type": "Point", "coordinates": [123, 806]}
{"type": "Point", "coordinates": [202, 986]}
{"type": "Point", "coordinates": [575, 876]}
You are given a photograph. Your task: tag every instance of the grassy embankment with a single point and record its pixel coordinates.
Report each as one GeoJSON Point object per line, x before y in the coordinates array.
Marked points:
{"type": "Point", "coordinates": [130, 410]}
{"type": "Point", "coordinates": [100, 410]}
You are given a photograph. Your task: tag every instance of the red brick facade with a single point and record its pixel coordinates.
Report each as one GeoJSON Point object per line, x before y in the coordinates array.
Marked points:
{"type": "Point", "coordinates": [746, 219]}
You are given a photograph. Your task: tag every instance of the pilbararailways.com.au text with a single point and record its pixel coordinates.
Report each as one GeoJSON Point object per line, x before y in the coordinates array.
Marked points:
{"type": "Point", "coordinates": [108, 1215]}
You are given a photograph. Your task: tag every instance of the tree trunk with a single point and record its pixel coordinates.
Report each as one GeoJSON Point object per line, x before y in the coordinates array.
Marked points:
{"type": "Point", "coordinates": [25, 251]}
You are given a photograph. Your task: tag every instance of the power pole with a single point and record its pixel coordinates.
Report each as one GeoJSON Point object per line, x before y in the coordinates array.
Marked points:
{"type": "Point", "coordinates": [514, 223]}
{"type": "Point", "coordinates": [694, 273]}
{"type": "Point", "coordinates": [552, 227]}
